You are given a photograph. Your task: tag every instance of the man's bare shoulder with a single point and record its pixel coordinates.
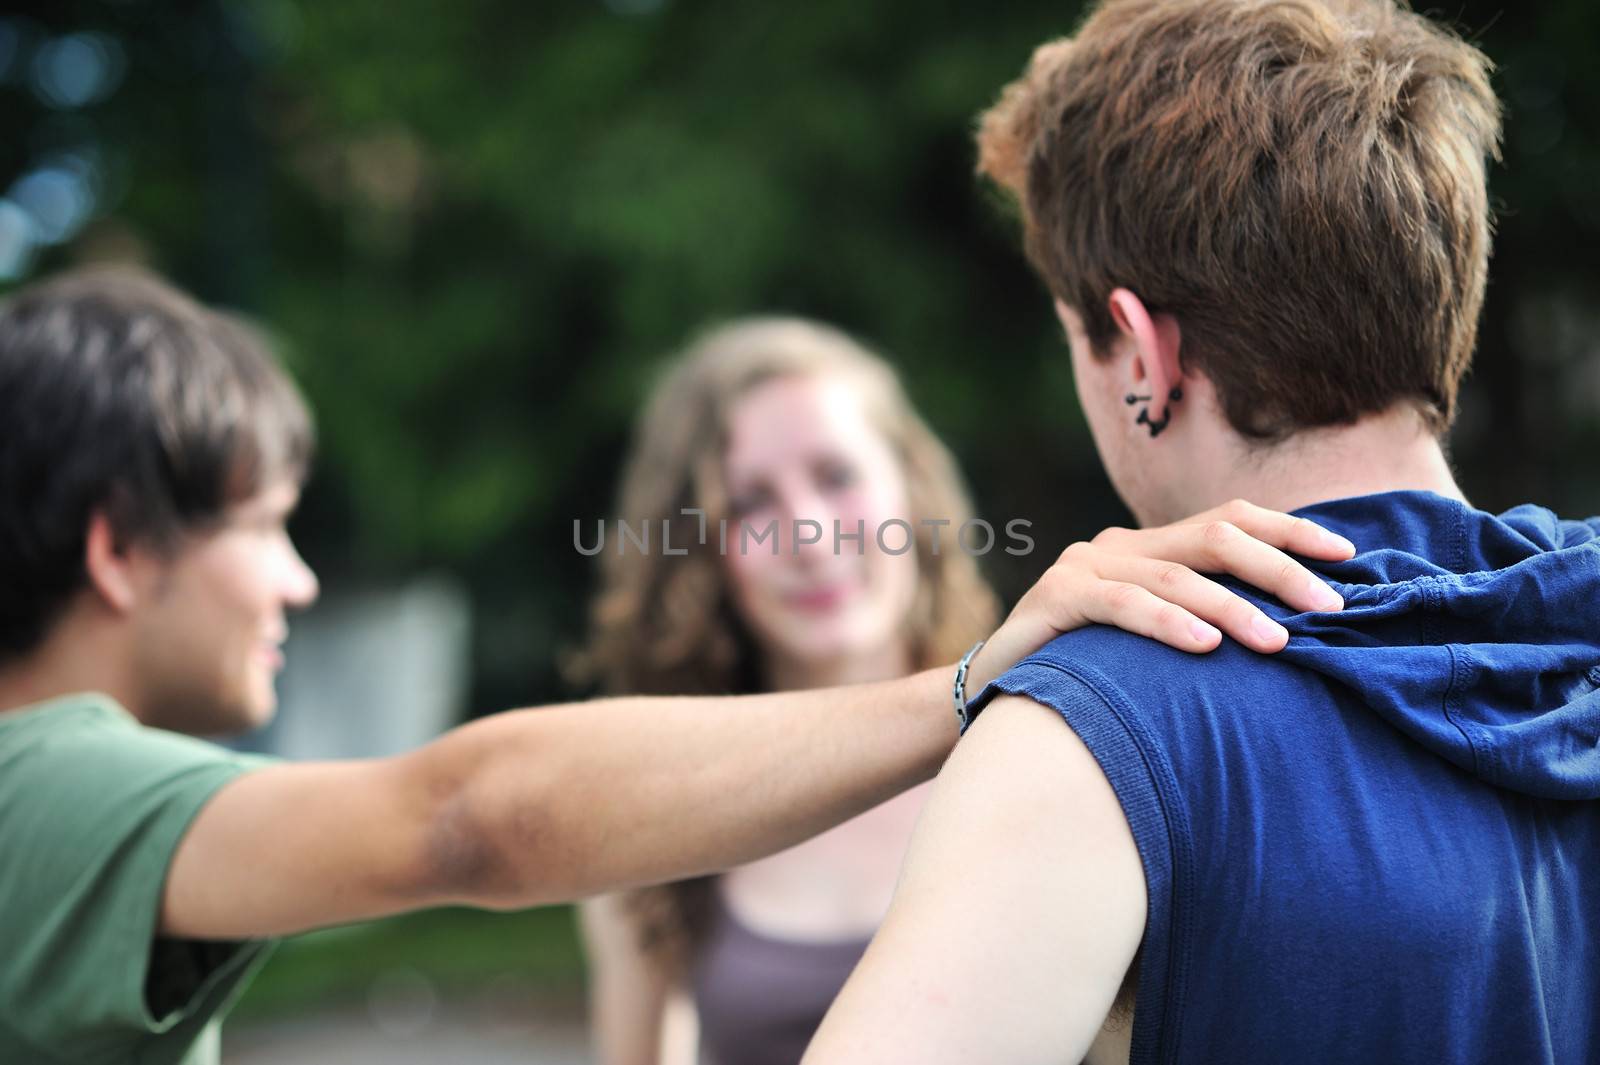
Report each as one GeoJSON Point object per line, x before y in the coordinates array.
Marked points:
{"type": "Point", "coordinates": [1025, 864]}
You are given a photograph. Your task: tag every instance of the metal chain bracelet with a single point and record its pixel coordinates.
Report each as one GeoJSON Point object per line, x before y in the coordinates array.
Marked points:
{"type": "Point", "coordinates": [960, 692]}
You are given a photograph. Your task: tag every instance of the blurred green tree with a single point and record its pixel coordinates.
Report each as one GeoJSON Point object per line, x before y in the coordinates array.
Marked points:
{"type": "Point", "coordinates": [478, 227]}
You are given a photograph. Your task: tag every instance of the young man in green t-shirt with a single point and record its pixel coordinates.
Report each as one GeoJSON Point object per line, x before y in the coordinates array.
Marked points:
{"type": "Point", "coordinates": [151, 456]}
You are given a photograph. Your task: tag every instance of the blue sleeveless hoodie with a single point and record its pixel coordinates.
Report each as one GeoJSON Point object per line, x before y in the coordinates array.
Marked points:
{"type": "Point", "coordinates": [1383, 843]}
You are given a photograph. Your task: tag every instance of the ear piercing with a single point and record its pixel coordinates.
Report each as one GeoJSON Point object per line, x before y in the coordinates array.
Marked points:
{"type": "Point", "coordinates": [1144, 415]}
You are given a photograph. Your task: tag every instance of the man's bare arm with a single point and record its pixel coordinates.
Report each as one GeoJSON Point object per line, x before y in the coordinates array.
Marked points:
{"type": "Point", "coordinates": [538, 806]}
{"type": "Point", "coordinates": [544, 805]}
{"type": "Point", "coordinates": [1020, 907]}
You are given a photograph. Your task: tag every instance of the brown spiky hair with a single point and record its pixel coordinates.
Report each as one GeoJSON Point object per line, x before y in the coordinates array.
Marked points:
{"type": "Point", "coordinates": [1300, 184]}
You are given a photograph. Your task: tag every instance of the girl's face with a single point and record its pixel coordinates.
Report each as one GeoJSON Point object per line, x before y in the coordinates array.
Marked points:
{"type": "Point", "coordinates": [801, 448]}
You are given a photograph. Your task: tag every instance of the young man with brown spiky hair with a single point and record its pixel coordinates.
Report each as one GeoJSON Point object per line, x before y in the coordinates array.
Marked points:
{"type": "Point", "coordinates": [1265, 228]}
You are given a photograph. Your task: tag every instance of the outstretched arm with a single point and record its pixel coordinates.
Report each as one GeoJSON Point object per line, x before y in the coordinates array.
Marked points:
{"type": "Point", "coordinates": [545, 805]}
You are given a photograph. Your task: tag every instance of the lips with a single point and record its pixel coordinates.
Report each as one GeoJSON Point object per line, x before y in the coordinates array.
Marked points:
{"type": "Point", "coordinates": [272, 650]}
{"type": "Point", "coordinates": [819, 600]}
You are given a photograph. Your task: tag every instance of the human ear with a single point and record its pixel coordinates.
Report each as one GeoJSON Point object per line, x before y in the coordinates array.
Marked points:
{"type": "Point", "coordinates": [1156, 340]}
{"type": "Point", "coordinates": [110, 565]}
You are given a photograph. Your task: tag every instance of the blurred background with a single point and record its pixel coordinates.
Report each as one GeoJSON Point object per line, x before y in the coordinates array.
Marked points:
{"type": "Point", "coordinates": [476, 229]}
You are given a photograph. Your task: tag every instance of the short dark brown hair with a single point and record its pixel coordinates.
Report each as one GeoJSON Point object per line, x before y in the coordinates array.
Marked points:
{"type": "Point", "coordinates": [1301, 184]}
{"type": "Point", "coordinates": [118, 392]}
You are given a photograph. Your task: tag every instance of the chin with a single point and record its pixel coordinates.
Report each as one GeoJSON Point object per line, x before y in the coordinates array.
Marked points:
{"type": "Point", "coordinates": [261, 711]}
{"type": "Point", "coordinates": [249, 710]}
{"type": "Point", "coordinates": [819, 650]}
{"type": "Point", "coordinates": [256, 717]}
{"type": "Point", "coordinates": [845, 641]}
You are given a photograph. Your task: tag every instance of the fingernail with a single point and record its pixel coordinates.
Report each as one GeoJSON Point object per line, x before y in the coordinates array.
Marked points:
{"type": "Point", "coordinates": [1268, 630]}
{"type": "Point", "coordinates": [1334, 540]}
{"type": "Point", "coordinates": [1202, 632]}
{"type": "Point", "coordinates": [1325, 598]}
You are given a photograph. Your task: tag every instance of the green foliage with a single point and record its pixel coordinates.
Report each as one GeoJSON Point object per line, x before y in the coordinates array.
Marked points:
{"type": "Point", "coordinates": [458, 952]}
{"type": "Point", "coordinates": [478, 228]}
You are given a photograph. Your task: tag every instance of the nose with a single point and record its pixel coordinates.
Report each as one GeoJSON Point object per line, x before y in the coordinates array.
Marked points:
{"type": "Point", "coordinates": [300, 586]}
{"type": "Point", "coordinates": [804, 504]}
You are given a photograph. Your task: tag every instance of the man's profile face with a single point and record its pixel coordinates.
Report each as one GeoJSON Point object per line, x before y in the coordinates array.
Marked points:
{"type": "Point", "coordinates": [210, 643]}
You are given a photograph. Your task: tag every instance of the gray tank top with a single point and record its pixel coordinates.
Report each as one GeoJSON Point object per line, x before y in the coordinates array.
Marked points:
{"type": "Point", "coordinates": [760, 999]}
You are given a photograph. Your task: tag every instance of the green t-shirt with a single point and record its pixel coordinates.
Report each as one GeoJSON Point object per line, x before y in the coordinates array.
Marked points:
{"type": "Point", "coordinates": [92, 806]}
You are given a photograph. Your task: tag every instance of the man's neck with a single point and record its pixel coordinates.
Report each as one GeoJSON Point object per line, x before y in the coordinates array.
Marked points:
{"type": "Point", "coordinates": [73, 658]}
{"type": "Point", "coordinates": [1386, 452]}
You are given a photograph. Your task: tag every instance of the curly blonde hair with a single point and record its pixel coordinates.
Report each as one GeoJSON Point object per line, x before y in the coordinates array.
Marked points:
{"type": "Point", "coordinates": [667, 624]}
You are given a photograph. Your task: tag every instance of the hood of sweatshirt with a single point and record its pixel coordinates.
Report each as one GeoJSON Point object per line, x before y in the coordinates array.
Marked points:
{"type": "Point", "coordinates": [1476, 635]}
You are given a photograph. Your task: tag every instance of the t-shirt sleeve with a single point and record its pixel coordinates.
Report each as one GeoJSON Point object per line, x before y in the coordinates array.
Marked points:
{"type": "Point", "coordinates": [90, 818]}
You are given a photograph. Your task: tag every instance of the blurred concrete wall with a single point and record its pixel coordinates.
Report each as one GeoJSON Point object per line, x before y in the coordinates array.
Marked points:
{"type": "Point", "coordinates": [372, 673]}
